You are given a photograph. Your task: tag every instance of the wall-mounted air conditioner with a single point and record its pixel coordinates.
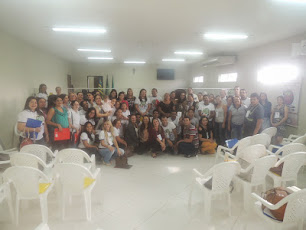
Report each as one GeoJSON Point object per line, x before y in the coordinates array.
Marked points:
{"type": "Point", "coordinates": [219, 61]}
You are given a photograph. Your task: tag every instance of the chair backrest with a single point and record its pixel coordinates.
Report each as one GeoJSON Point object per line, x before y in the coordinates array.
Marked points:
{"type": "Point", "coordinates": [243, 143]}
{"type": "Point", "coordinates": [292, 164]}
{"type": "Point", "coordinates": [296, 207]}
{"type": "Point", "coordinates": [28, 160]}
{"type": "Point", "coordinates": [290, 148]}
{"type": "Point", "coordinates": [301, 139]}
{"type": "Point", "coordinates": [41, 151]}
{"type": "Point", "coordinates": [71, 176]}
{"type": "Point", "coordinates": [261, 168]}
{"type": "Point", "coordinates": [223, 174]}
{"type": "Point", "coordinates": [270, 131]}
{"type": "Point", "coordinates": [262, 138]}
{"type": "Point", "coordinates": [253, 152]}
{"type": "Point", "coordinates": [71, 155]}
{"type": "Point", "coordinates": [25, 180]}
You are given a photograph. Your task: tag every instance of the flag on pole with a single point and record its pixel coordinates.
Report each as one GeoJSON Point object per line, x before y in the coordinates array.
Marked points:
{"type": "Point", "coordinates": [107, 86]}
{"type": "Point", "coordinates": [113, 82]}
{"type": "Point", "coordinates": [100, 85]}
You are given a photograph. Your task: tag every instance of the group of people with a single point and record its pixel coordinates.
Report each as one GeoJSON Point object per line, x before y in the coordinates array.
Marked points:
{"type": "Point", "coordinates": [181, 122]}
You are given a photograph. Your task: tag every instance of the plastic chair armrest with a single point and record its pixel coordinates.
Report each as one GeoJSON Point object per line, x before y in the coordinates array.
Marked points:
{"type": "Point", "coordinates": [8, 152]}
{"type": "Point", "coordinates": [247, 169]}
{"type": "Point", "coordinates": [271, 147]}
{"type": "Point", "coordinates": [55, 153]}
{"type": "Point", "coordinates": [96, 173]}
{"type": "Point", "coordinates": [268, 204]}
{"type": "Point", "coordinates": [229, 155]}
{"type": "Point", "coordinates": [270, 153]}
{"type": "Point", "coordinates": [93, 162]}
{"type": "Point", "coordinates": [220, 148]}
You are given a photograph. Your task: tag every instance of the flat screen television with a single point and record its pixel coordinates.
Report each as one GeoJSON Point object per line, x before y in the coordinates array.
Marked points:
{"type": "Point", "coordinates": [165, 74]}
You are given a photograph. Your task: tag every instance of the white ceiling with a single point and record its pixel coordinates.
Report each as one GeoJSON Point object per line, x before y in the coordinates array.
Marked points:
{"type": "Point", "coordinates": [149, 29]}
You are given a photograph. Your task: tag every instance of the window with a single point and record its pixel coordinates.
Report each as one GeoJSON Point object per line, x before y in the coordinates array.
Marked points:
{"type": "Point", "coordinates": [198, 79]}
{"type": "Point", "coordinates": [227, 77]}
{"type": "Point", "coordinates": [277, 74]}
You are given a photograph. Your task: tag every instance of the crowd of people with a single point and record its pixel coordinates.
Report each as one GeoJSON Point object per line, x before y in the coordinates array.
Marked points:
{"type": "Point", "coordinates": [180, 122]}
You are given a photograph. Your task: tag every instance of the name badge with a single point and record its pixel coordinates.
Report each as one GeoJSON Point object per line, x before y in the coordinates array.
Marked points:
{"type": "Point", "coordinates": [159, 137]}
{"type": "Point", "coordinates": [247, 113]}
{"type": "Point", "coordinates": [179, 114]}
{"type": "Point", "coordinates": [276, 115]}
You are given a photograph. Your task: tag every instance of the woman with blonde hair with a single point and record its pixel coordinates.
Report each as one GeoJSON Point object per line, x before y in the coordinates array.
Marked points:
{"type": "Point", "coordinates": [108, 144]}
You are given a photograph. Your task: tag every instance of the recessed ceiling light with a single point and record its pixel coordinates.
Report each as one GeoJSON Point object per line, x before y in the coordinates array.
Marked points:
{"type": "Point", "coordinates": [221, 36]}
{"type": "Point", "coordinates": [93, 50]}
{"type": "Point", "coordinates": [79, 30]}
{"type": "Point", "coordinates": [188, 52]}
{"type": "Point", "coordinates": [173, 59]}
{"type": "Point", "coordinates": [100, 58]}
{"type": "Point", "coordinates": [134, 62]}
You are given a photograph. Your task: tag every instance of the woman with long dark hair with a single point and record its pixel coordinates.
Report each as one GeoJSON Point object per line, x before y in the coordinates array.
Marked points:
{"type": "Point", "coordinates": [166, 106]}
{"type": "Point", "coordinates": [113, 94]}
{"type": "Point", "coordinates": [207, 143]}
{"type": "Point", "coordinates": [42, 92]}
{"type": "Point", "coordinates": [157, 138]}
{"type": "Point", "coordinates": [130, 99]}
{"type": "Point", "coordinates": [144, 133]}
{"type": "Point", "coordinates": [263, 100]}
{"type": "Point", "coordinates": [31, 112]}
{"type": "Point", "coordinates": [90, 116]}
{"type": "Point", "coordinates": [87, 140]}
{"type": "Point", "coordinates": [142, 103]}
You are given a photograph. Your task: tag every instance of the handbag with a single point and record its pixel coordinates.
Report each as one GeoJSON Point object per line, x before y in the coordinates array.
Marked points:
{"type": "Point", "coordinates": [63, 135]}
{"type": "Point", "coordinates": [122, 162]}
{"type": "Point", "coordinates": [27, 140]}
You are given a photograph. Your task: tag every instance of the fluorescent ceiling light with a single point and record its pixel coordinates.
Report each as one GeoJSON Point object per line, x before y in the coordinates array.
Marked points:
{"type": "Point", "coordinates": [79, 30]}
{"type": "Point", "coordinates": [188, 52]}
{"type": "Point", "coordinates": [173, 59]}
{"type": "Point", "coordinates": [134, 62]}
{"type": "Point", "coordinates": [292, 1]}
{"type": "Point", "coordinates": [219, 36]}
{"type": "Point", "coordinates": [100, 58]}
{"type": "Point", "coordinates": [93, 50]}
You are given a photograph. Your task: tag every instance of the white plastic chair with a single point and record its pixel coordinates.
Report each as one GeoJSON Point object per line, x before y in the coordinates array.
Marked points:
{"type": "Point", "coordinates": [288, 149]}
{"type": "Point", "coordinates": [5, 194]}
{"type": "Point", "coordinates": [76, 156]}
{"type": "Point", "coordinates": [222, 175]}
{"type": "Point", "coordinates": [290, 139]}
{"type": "Point", "coordinates": [41, 151]}
{"type": "Point", "coordinates": [6, 152]}
{"type": "Point", "coordinates": [292, 164]}
{"type": "Point", "coordinates": [271, 131]}
{"type": "Point", "coordinates": [221, 150]}
{"type": "Point", "coordinates": [75, 179]}
{"type": "Point", "coordinates": [257, 171]}
{"type": "Point", "coordinates": [248, 154]}
{"type": "Point", "coordinates": [301, 140]}
{"type": "Point", "coordinates": [29, 183]}
{"type": "Point", "coordinates": [262, 138]}
{"type": "Point", "coordinates": [295, 211]}
{"type": "Point", "coordinates": [30, 160]}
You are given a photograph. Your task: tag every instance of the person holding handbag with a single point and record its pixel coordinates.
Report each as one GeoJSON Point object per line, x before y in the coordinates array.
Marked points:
{"type": "Point", "coordinates": [58, 118]}
{"type": "Point", "coordinates": [31, 112]}
{"type": "Point", "coordinates": [74, 118]}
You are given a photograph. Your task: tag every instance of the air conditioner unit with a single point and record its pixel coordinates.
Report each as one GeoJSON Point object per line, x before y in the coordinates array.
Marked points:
{"type": "Point", "coordinates": [219, 61]}
{"type": "Point", "coordinates": [298, 49]}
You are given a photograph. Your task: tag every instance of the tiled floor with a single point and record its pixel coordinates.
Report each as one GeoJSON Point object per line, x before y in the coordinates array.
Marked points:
{"type": "Point", "coordinates": [152, 195]}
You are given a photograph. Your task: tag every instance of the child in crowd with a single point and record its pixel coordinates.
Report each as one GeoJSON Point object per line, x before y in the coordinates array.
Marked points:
{"type": "Point", "coordinates": [106, 106]}
{"type": "Point", "coordinates": [125, 112]}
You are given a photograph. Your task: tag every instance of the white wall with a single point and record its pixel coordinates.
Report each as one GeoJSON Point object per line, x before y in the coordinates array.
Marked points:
{"type": "Point", "coordinates": [124, 77]}
{"type": "Point", "coordinates": [23, 68]}
{"type": "Point", "coordinates": [249, 62]}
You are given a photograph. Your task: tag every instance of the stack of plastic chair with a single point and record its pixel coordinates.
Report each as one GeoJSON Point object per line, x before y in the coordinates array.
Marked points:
{"type": "Point", "coordinates": [221, 176]}
{"type": "Point", "coordinates": [29, 183]}
{"type": "Point", "coordinates": [295, 211]}
{"type": "Point", "coordinates": [40, 151]}
{"type": "Point", "coordinates": [301, 140]}
{"type": "Point", "coordinates": [76, 156]}
{"type": "Point", "coordinates": [5, 194]}
{"type": "Point", "coordinates": [271, 131]}
{"type": "Point", "coordinates": [241, 144]}
{"type": "Point", "coordinates": [291, 166]}
{"type": "Point", "coordinates": [263, 139]}
{"type": "Point", "coordinates": [30, 160]}
{"type": "Point", "coordinates": [254, 176]}
{"type": "Point", "coordinates": [75, 179]}
{"type": "Point", "coordinates": [290, 139]}
{"type": "Point", "coordinates": [288, 149]}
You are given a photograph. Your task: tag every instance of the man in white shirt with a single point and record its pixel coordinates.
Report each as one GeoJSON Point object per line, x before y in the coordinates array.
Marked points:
{"type": "Point", "coordinates": [155, 99]}
{"type": "Point", "coordinates": [237, 91]}
{"type": "Point", "coordinates": [195, 97]}
{"type": "Point", "coordinates": [206, 109]}
{"type": "Point", "coordinates": [176, 121]}
{"type": "Point", "coordinates": [223, 96]}
{"type": "Point", "coordinates": [170, 132]}
{"type": "Point", "coordinates": [245, 100]}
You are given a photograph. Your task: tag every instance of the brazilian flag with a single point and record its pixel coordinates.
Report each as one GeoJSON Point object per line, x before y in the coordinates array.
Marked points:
{"type": "Point", "coordinates": [100, 85]}
{"type": "Point", "coordinates": [107, 86]}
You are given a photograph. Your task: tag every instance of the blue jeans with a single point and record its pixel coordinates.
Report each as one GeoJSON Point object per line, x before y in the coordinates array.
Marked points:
{"type": "Point", "coordinates": [108, 155]}
{"type": "Point", "coordinates": [236, 131]}
{"type": "Point", "coordinates": [219, 133]}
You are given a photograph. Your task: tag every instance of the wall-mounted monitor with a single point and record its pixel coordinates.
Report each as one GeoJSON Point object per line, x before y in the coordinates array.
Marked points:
{"type": "Point", "coordinates": [165, 74]}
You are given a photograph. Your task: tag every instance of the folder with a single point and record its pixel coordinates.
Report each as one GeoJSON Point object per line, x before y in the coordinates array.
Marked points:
{"type": "Point", "coordinates": [32, 123]}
